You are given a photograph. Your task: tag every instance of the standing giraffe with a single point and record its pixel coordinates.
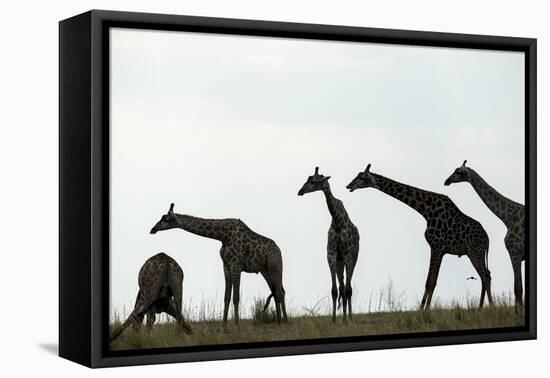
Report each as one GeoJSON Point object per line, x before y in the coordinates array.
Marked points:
{"type": "Point", "coordinates": [160, 282]}
{"type": "Point", "coordinates": [511, 213]}
{"type": "Point", "coordinates": [448, 230]}
{"type": "Point", "coordinates": [242, 250]}
{"type": "Point", "coordinates": [343, 241]}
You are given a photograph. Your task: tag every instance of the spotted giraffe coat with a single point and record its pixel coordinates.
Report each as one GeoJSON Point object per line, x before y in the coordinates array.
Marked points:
{"type": "Point", "coordinates": [448, 230]}
{"type": "Point", "coordinates": [511, 213]}
{"type": "Point", "coordinates": [243, 250]}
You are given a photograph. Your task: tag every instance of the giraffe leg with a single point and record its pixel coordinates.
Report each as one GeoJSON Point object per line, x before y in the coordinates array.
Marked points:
{"type": "Point", "coordinates": [515, 247]}
{"type": "Point", "coordinates": [236, 280]}
{"type": "Point", "coordinates": [270, 285]}
{"type": "Point", "coordinates": [280, 301]}
{"type": "Point", "coordinates": [482, 296]}
{"type": "Point", "coordinates": [138, 320]}
{"type": "Point", "coordinates": [341, 288]}
{"type": "Point", "coordinates": [349, 275]}
{"type": "Point", "coordinates": [479, 262]}
{"type": "Point", "coordinates": [283, 305]}
{"type": "Point", "coordinates": [276, 297]}
{"type": "Point", "coordinates": [518, 285]}
{"type": "Point", "coordinates": [176, 286]}
{"type": "Point", "coordinates": [132, 318]}
{"type": "Point", "coordinates": [151, 318]}
{"type": "Point", "coordinates": [171, 310]}
{"type": "Point", "coordinates": [488, 284]}
{"type": "Point", "coordinates": [274, 278]}
{"type": "Point", "coordinates": [136, 316]}
{"type": "Point", "coordinates": [431, 281]}
{"type": "Point", "coordinates": [279, 296]}
{"type": "Point", "coordinates": [277, 300]}
{"type": "Point", "coordinates": [334, 291]}
{"type": "Point", "coordinates": [146, 297]}
{"type": "Point", "coordinates": [278, 310]}
{"type": "Point", "coordinates": [227, 296]}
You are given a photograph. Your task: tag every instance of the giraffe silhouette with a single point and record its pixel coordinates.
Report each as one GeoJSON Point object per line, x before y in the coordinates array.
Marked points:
{"type": "Point", "coordinates": [343, 242]}
{"type": "Point", "coordinates": [160, 282]}
{"type": "Point", "coordinates": [242, 250]}
{"type": "Point", "coordinates": [511, 213]}
{"type": "Point", "coordinates": [448, 230]}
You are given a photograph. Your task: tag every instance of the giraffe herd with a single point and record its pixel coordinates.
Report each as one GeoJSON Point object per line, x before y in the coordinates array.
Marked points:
{"type": "Point", "coordinates": [448, 231]}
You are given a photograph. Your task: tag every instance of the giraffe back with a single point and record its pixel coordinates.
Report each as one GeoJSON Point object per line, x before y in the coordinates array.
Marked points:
{"type": "Point", "coordinates": [160, 268]}
{"type": "Point", "coordinates": [248, 249]}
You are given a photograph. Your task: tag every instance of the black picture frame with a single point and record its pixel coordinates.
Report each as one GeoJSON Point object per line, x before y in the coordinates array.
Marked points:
{"type": "Point", "coordinates": [84, 186]}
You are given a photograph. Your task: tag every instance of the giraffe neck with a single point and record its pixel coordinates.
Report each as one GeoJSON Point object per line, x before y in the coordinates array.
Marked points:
{"type": "Point", "coordinates": [208, 228]}
{"type": "Point", "coordinates": [335, 207]}
{"type": "Point", "coordinates": [418, 199]}
{"type": "Point", "coordinates": [496, 202]}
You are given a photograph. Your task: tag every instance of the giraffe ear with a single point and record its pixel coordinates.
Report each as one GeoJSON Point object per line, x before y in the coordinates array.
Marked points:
{"type": "Point", "coordinates": [464, 164]}
{"type": "Point", "coordinates": [326, 178]}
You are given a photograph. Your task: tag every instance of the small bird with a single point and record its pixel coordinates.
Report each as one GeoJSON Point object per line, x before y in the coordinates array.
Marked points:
{"type": "Point", "coordinates": [471, 278]}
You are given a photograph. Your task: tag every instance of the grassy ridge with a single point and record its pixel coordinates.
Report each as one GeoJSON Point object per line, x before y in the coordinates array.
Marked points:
{"type": "Point", "coordinates": [263, 328]}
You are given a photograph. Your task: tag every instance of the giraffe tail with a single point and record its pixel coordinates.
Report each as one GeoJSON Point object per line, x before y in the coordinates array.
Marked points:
{"type": "Point", "coordinates": [339, 300]}
{"type": "Point", "coordinates": [267, 301]}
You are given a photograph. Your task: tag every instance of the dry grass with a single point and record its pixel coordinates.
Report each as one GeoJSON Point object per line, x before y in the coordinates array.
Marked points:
{"type": "Point", "coordinates": [262, 326]}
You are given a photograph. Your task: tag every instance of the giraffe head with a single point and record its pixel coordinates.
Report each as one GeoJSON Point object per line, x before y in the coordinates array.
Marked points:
{"type": "Point", "coordinates": [314, 183]}
{"type": "Point", "coordinates": [167, 221]}
{"type": "Point", "coordinates": [363, 179]}
{"type": "Point", "coordinates": [460, 174]}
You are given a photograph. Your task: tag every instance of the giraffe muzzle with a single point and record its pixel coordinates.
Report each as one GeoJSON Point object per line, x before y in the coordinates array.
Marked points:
{"type": "Point", "coordinates": [452, 179]}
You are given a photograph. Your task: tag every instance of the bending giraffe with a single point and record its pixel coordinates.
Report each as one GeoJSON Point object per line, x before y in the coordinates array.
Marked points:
{"type": "Point", "coordinates": [160, 282]}
{"type": "Point", "coordinates": [242, 250]}
{"type": "Point", "coordinates": [448, 230]}
{"type": "Point", "coordinates": [343, 242]}
{"type": "Point", "coordinates": [511, 213]}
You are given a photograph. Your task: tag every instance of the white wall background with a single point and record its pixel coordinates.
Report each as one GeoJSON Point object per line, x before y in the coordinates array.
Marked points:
{"type": "Point", "coordinates": [28, 151]}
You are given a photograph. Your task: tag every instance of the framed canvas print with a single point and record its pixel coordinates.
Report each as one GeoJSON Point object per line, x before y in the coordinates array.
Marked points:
{"type": "Point", "coordinates": [235, 188]}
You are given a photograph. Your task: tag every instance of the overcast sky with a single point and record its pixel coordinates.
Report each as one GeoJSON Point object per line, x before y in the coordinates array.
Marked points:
{"type": "Point", "coordinates": [232, 126]}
